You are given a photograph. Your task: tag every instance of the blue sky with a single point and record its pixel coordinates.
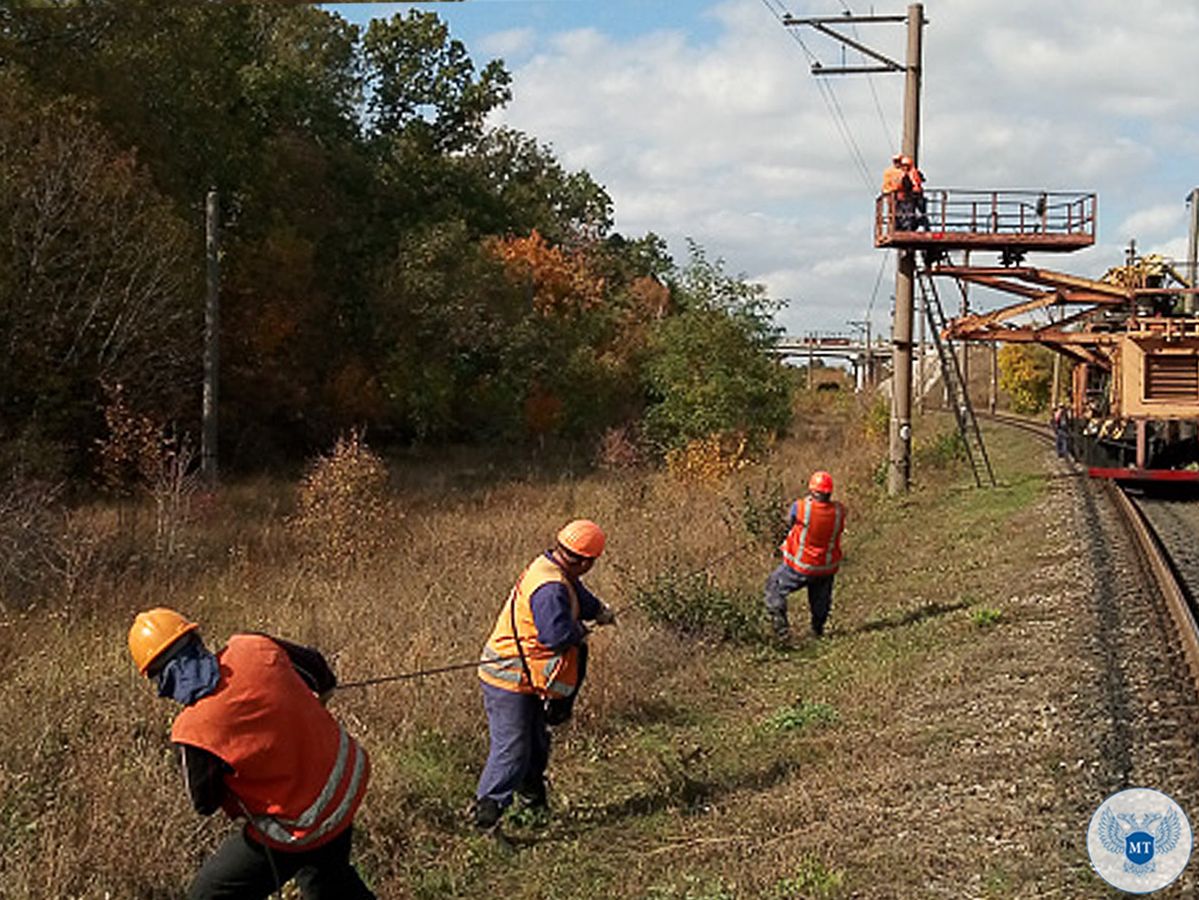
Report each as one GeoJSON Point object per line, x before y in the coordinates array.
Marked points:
{"type": "Point", "coordinates": [702, 120]}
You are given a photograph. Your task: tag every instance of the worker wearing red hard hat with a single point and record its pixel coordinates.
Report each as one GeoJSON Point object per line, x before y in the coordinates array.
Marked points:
{"type": "Point", "coordinates": [533, 666]}
{"type": "Point", "coordinates": [255, 739]}
{"type": "Point", "coordinates": [811, 556]}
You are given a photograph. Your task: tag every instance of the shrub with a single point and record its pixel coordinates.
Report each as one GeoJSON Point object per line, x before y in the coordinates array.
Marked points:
{"type": "Point", "coordinates": [692, 604]}
{"type": "Point", "coordinates": [709, 459]}
{"type": "Point", "coordinates": [341, 504]}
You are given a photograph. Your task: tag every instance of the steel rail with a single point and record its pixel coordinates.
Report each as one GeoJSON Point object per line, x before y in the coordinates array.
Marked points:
{"type": "Point", "coordinates": [1150, 550]}
{"type": "Point", "coordinates": [1156, 559]}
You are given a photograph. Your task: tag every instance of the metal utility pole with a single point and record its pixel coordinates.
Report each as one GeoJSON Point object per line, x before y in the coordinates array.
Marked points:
{"type": "Point", "coordinates": [1193, 249]}
{"type": "Point", "coordinates": [864, 326]}
{"type": "Point", "coordinates": [212, 328]}
{"type": "Point", "coordinates": [900, 455]}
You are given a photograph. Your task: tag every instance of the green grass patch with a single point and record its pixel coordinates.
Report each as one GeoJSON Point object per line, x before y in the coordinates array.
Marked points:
{"type": "Point", "coordinates": [985, 616]}
{"type": "Point", "coordinates": [812, 881]}
{"type": "Point", "coordinates": [804, 715]}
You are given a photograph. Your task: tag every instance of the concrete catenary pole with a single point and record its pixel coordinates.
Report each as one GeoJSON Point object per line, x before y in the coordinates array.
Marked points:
{"type": "Point", "coordinates": [212, 328]}
{"type": "Point", "coordinates": [900, 457]}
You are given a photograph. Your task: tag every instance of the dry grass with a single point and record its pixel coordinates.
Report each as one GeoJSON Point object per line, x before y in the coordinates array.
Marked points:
{"type": "Point", "coordinates": [92, 805]}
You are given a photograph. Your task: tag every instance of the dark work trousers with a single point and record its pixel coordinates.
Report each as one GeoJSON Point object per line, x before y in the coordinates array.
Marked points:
{"type": "Point", "coordinates": [1061, 439]}
{"type": "Point", "coordinates": [785, 580]}
{"type": "Point", "coordinates": [520, 745]}
{"type": "Point", "coordinates": [243, 869]}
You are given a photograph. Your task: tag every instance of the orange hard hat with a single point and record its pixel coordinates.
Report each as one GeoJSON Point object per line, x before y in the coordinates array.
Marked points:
{"type": "Point", "coordinates": [905, 160]}
{"type": "Point", "coordinates": [153, 632]}
{"type": "Point", "coordinates": [821, 482]}
{"type": "Point", "coordinates": [583, 538]}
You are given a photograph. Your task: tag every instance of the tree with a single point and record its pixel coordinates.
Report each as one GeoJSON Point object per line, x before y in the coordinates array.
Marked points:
{"type": "Point", "coordinates": [708, 372]}
{"type": "Point", "coordinates": [96, 274]}
{"type": "Point", "coordinates": [422, 84]}
{"type": "Point", "coordinates": [1025, 372]}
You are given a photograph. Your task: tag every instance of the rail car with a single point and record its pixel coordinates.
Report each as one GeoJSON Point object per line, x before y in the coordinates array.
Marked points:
{"type": "Point", "coordinates": [1130, 337]}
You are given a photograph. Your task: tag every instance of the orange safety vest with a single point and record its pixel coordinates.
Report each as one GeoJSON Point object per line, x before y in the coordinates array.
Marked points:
{"type": "Point", "coordinates": [297, 775]}
{"type": "Point", "coordinates": [554, 673]}
{"type": "Point", "coordinates": [892, 179]}
{"type": "Point", "coordinates": [916, 178]}
{"type": "Point", "coordinates": [813, 545]}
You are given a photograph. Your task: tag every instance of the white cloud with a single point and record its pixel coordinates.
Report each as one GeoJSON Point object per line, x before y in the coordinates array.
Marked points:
{"type": "Point", "coordinates": [512, 42]}
{"type": "Point", "coordinates": [730, 140]}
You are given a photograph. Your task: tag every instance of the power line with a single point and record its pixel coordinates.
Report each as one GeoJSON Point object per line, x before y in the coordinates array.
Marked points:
{"type": "Point", "coordinates": [830, 99]}
{"type": "Point", "coordinates": [878, 107]}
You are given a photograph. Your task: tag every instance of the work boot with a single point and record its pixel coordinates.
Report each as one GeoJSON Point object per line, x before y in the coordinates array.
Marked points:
{"type": "Point", "coordinates": [782, 631]}
{"type": "Point", "coordinates": [486, 814]}
{"type": "Point", "coordinates": [532, 794]}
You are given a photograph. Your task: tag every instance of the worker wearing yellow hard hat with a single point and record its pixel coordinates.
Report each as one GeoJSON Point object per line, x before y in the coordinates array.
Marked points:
{"type": "Point", "coordinates": [256, 740]}
{"type": "Point", "coordinates": [532, 667]}
{"type": "Point", "coordinates": [811, 556]}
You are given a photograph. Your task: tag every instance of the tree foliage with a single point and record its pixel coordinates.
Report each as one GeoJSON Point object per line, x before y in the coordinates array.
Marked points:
{"type": "Point", "coordinates": [389, 259]}
{"type": "Point", "coordinates": [1025, 372]}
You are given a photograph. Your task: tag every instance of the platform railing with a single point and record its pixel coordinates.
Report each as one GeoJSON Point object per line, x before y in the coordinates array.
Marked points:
{"type": "Point", "coordinates": [1015, 215]}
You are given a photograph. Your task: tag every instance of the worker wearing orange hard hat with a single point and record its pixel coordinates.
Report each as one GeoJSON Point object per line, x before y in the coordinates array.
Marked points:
{"type": "Point", "coordinates": [811, 556]}
{"type": "Point", "coordinates": [533, 666]}
{"type": "Point", "coordinates": [256, 740]}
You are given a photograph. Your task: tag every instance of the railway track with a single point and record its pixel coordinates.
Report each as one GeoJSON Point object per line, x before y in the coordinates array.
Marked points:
{"type": "Point", "coordinates": [1165, 533]}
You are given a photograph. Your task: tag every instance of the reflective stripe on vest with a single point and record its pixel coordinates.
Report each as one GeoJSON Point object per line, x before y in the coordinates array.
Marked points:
{"type": "Point", "coordinates": [296, 774]}
{"type": "Point", "coordinates": [282, 831]}
{"type": "Point", "coordinates": [821, 560]}
{"type": "Point", "coordinates": [553, 673]}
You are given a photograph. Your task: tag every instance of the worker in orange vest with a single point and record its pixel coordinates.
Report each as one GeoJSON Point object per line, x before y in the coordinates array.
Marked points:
{"type": "Point", "coordinates": [533, 666]}
{"type": "Point", "coordinates": [256, 740]}
{"type": "Point", "coordinates": [912, 195]}
{"type": "Point", "coordinates": [811, 556]}
{"type": "Point", "coordinates": [893, 188]}
{"type": "Point", "coordinates": [893, 175]}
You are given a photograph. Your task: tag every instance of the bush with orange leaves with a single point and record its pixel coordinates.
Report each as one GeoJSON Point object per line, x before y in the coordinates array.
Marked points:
{"type": "Point", "coordinates": [560, 281]}
{"type": "Point", "coordinates": [341, 505]}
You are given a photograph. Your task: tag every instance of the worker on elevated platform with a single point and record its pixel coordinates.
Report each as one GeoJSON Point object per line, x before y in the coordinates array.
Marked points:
{"type": "Point", "coordinates": [533, 666]}
{"type": "Point", "coordinates": [892, 187]}
{"type": "Point", "coordinates": [811, 557]}
{"type": "Point", "coordinates": [913, 208]}
{"type": "Point", "coordinates": [255, 739]}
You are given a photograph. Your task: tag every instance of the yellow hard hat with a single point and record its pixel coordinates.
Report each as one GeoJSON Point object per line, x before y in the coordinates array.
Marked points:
{"type": "Point", "coordinates": [583, 538]}
{"type": "Point", "coordinates": [153, 632]}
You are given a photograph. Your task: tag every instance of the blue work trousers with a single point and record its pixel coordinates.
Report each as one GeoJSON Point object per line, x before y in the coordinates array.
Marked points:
{"type": "Point", "coordinates": [785, 580]}
{"type": "Point", "coordinates": [520, 745]}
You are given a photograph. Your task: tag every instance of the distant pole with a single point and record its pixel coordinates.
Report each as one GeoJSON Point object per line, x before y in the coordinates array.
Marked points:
{"type": "Point", "coordinates": [811, 359]}
{"type": "Point", "coordinates": [964, 310]}
{"type": "Point", "coordinates": [993, 397]}
{"type": "Point", "coordinates": [212, 328]}
{"type": "Point", "coordinates": [1193, 249]}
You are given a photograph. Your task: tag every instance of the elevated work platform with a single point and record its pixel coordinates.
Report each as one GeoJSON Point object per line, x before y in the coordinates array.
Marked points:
{"type": "Point", "coordinates": [1010, 222]}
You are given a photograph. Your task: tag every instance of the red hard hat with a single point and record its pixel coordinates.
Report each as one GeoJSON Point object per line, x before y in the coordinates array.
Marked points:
{"type": "Point", "coordinates": [583, 538]}
{"type": "Point", "coordinates": [820, 483]}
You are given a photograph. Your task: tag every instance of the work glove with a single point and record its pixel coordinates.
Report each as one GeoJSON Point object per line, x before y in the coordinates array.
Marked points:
{"type": "Point", "coordinates": [606, 615]}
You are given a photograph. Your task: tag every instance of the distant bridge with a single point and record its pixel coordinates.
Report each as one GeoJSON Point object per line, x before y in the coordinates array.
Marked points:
{"type": "Point", "coordinates": [867, 360]}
